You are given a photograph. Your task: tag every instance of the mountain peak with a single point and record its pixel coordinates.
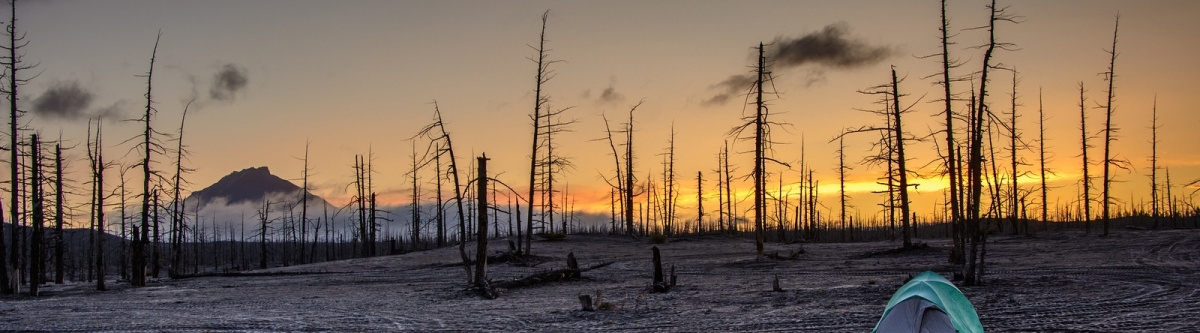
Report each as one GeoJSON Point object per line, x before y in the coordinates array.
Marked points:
{"type": "Point", "coordinates": [247, 185]}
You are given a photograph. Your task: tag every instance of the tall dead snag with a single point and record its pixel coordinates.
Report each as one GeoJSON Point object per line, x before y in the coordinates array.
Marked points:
{"type": "Point", "coordinates": [951, 165]}
{"type": "Point", "coordinates": [1042, 158]}
{"type": "Point", "coordinates": [544, 74]}
{"type": "Point", "coordinates": [902, 171]}
{"type": "Point", "coordinates": [1109, 76]}
{"type": "Point", "coordinates": [1086, 182]}
{"type": "Point", "coordinates": [303, 204]}
{"type": "Point", "coordinates": [669, 192]}
{"type": "Point", "coordinates": [629, 176]}
{"type": "Point", "coordinates": [58, 215]}
{"type": "Point", "coordinates": [759, 162]}
{"type": "Point", "coordinates": [416, 203]}
{"type": "Point", "coordinates": [139, 246]}
{"type": "Point", "coordinates": [39, 215]}
{"type": "Point", "coordinates": [976, 133]}
{"type": "Point", "coordinates": [1014, 136]}
{"type": "Point", "coordinates": [98, 178]}
{"type": "Point", "coordinates": [440, 215]}
{"type": "Point", "coordinates": [699, 202]}
{"type": "Point", "coordinates": [13, 62]}
{"type": "Point", "coordinates": [842, 182]}
{"type": "Point", "coordinates": [1154, 161]}
{"type": "Point", "coordinates": [481, 238]}
{"type": "Point", "coordinates": [177, 204]}
{"type": "Point", "coordinates": [891, 152]}
{"type": "Point", "coordinates": [761, 127]}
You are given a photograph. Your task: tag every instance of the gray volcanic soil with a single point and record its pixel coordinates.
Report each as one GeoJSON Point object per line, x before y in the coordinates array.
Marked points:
{"type": "Point", "coordinates": [1055, 281]}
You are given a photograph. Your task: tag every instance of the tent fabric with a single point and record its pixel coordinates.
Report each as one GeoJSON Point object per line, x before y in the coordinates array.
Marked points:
{"type": "Point", "coordinates": [916, 315]}
{"type": "Point", "coordinates": [925, 304]}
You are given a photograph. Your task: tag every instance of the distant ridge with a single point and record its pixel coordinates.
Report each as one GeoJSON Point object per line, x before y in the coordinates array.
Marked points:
{"type": "Point", "coordinates": [248, 185]}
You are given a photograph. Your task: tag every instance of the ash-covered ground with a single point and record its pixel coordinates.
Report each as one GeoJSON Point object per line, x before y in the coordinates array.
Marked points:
{"type": "Point", "coordinates": [1131, 281]}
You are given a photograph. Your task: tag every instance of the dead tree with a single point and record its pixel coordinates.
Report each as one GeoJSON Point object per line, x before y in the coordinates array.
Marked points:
{"type": "Point", "coordinates": [448, 148]}
{"type": "Point", "coordinates": [39, 216]}
{"type": "Point", "coordinates": [263, 224]}
{"type": "Point", "coordinates": [96, 155]}
{"type": "Point", "coordinates": [58, 215]}
{"type": "Point", "coordinates": [1014, 136]}
{"type": "Point", "coordinates": [177, 204]}
{"type": "Point", "coordinates": [951, 166]}
{"type": "Point", "coordinates": [629, 175]}
{"type": "Point", "coordinates": [304, 206]}
{"type": "Point", "coordinates": [699, 202]}
{"type": "Point", "coordinates": [481, 238]}
{"type": "Point", "coordinates": [762, 146]}
{"type": "Point", "coordinates": [440, 216]}
{"type": "Point", "coordinates": [975, 157]}
{"type": "Point", "coordinates": [891, 151]}
{"type": "Point", "coordinates": [842, 182]}
{"type": "Point", "coordinates": [16, 42]}
{"type": "Point", "coordinates": [1109, 76]}
{"type": "Point", "coordinates": [544, 74]}
{"type": "Point", "coordinates": [139, 248]}
{"type": "Point", "coordinates": [618, 192]}
{"type": "Point", "coordinates": [1154, 162]}
{"type": "Point", "coordinates": [1086, 182]}
{"type": "Point", "coordinates": [416, 203]}
{"type": "Point", "coordinates": [1042, 158]}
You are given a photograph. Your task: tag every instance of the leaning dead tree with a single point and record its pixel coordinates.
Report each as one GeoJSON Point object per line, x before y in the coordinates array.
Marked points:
{"type": "Point", "coordinates": [441, 144]}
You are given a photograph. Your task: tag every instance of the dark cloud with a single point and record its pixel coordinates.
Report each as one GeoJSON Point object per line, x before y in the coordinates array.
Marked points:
{"type": "Point", "coordinates": [733, 86]}
{"type": "Point", "coordinates": [610, 96]}
{"type": "Point", "coordinates": [227, 82]}
{"type": "Point", "coordinates": [830, 47]}
{"type": "Point", "coordinates": [64, 100]}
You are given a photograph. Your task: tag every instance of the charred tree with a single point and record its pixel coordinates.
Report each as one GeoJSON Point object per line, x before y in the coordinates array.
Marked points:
{"type": "Point", "coordinates": [543, 75]}
{"type": "Point", "coordinates": [1042, 159]}
{"type": "Point", "coordinates": [39, 216]}
{"type": "Point", "coordinates": [98, 178]}
{"type": "Point", "coordinates": [58, 215]}
{"type": "Point", "coordinates": [177, 204]}
{"type": "Point", "coordinates": [1086, 182]}
{"type": "Point", "coordinates": [1109, 76]}
{"type": "Point", "coordinates": [481, 238]}
{"type": "Point", "coordinates": [13, 62]}
{"type": "Point", "coordinates": [1154, 162]}
{"type": "Point", "coordinates": [139, 248]}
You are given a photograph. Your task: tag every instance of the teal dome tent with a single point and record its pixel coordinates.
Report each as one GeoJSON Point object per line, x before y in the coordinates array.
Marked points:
{"type": "Point", "coordinates": [929, 303]}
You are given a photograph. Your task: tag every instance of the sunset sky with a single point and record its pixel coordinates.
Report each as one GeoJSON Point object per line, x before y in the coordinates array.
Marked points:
{"type": "Point", "coordinates": [353, 76]}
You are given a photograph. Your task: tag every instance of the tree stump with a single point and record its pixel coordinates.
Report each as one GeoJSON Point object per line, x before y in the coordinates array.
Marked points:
{"type": "Point", "coordinates": [586, 302]}
{"type": "Point", "coordinates": [572, 265]}
{"type": "Point", "coordinates": [659, 286]}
